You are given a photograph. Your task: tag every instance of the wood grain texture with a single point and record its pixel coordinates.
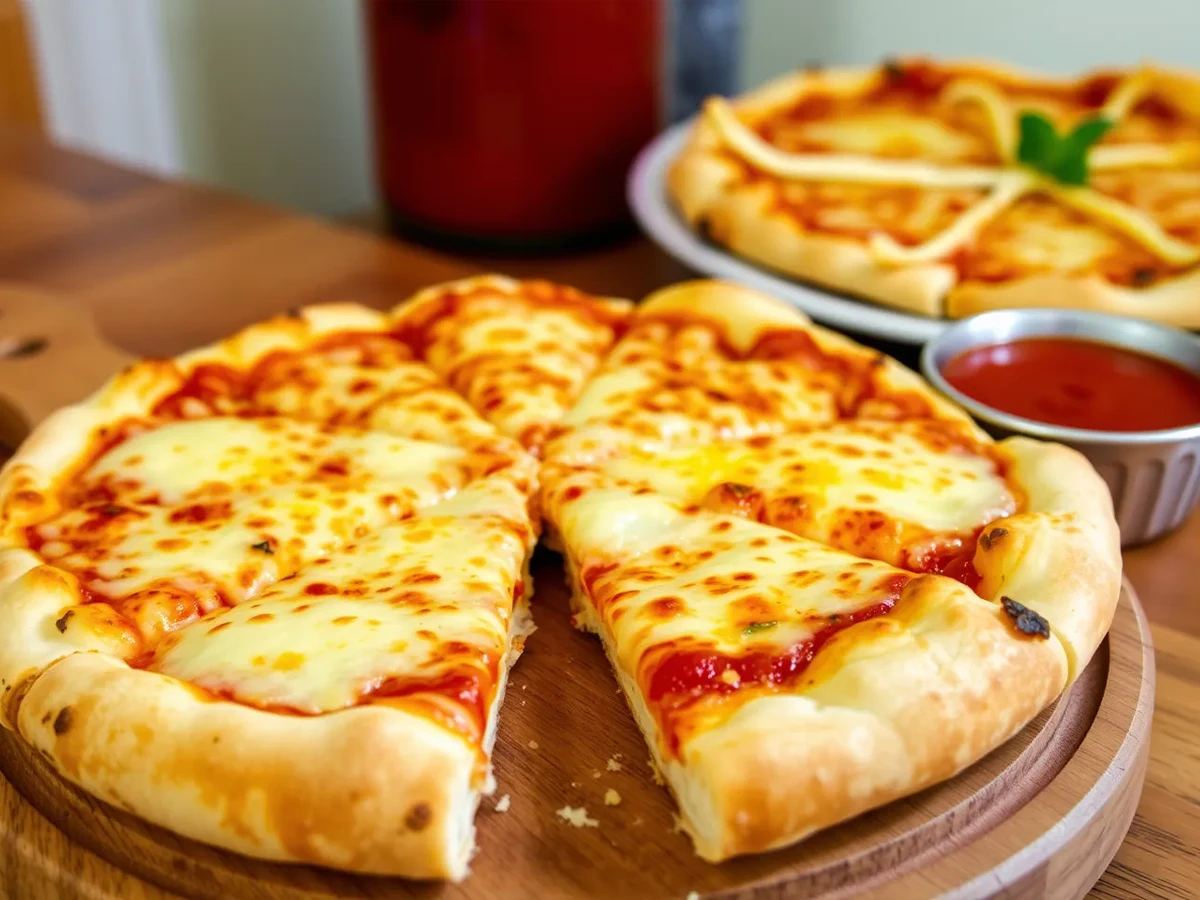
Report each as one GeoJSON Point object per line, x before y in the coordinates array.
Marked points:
{"type": "Point", "coordinates": [168, 266]}
{"type": "Point", "coordinates": [20, 99]}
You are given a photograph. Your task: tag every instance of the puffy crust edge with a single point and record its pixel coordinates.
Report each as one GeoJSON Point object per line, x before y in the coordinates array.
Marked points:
{"type": "Point", "coordinates": [1060, 556]}
{"type": "Point", "coordinates": [400, 800]}
{"type": "Point", "coordinates": [1173, 301]}
{"type": "Point", "coordinates": [959, 682]}
{"type": "Point", "coordinates": [702, 184]}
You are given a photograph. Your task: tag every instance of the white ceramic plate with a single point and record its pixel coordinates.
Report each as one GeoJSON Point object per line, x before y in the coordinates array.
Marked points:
{"type": "Point", "coordinates": [648, 197]}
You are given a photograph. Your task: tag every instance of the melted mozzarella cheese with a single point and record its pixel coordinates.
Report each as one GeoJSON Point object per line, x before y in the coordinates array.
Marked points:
{"type": "Point", "coordinates": [885, 133]}
{"type": "Point", "coordinates": [650, 396]}
{"type": "Point", "coordinates": [518, 357]}
{"type": "Point", "coordinates": [703, 580]}
{"type": "Point", "coordinates": [408, 605]}
{"type": "Point", "coordinates": [203, 513]}
{"type": "Point", "coordinates": [404, 398]}
{"type": "Point", "coordinates": [220, 456]}
{"type": "Point", "coordinates": [909, 472]}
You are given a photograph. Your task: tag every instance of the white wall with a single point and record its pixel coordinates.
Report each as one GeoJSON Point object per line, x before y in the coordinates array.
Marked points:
{"type": "Point", "coordinates": [1056, 35]}
{"type": "Point", "coordinates": [265, 97]}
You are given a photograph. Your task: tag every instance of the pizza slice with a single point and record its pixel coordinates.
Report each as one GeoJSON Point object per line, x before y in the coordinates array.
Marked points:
{"type": "Point", "coordinates": [519, 351]}
{"type": "Point", "coordinates": [706, 360]}
{"type": "Point", "coordinates": [783, 685]}
{"type": "Point", "coordinates": [203, 603]}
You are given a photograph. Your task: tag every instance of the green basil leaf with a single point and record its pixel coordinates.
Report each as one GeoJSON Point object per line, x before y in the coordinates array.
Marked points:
{"type": "Point", "coordinates": [1037, 143]}
{"type": "Point", "coordinates": [1071, 166]}
{"type": "Point", "coordinates": [1063, 158]}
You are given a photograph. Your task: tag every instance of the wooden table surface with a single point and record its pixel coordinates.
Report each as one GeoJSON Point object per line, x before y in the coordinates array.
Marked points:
{"type": "Point", "coordinates": [151, 258]}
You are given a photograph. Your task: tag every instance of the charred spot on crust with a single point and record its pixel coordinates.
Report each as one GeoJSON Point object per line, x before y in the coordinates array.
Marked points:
{"type": "Point", "coordinates": [892, 69]}
{"type": "Point", "coordinates": [988, 539]}
{"type": "Point", "coordinates": [62, 722]}
{"type": "Point", "coordinates": [1143, 276]}
{"type": "Point", "coordinates": [111, 510]}
{"type": "Point", "coordinates": [263, 547]}
{"type": "Point", "coordinates": [61, 624]}
{"type": "Point", "coordinates": [1027, 621]}
{"type": "Point", "coordinates": [418, 817]}
{"type": "Point", "coordinates": [46, 719]}
{"type": "Point", "coordinates": [295, 312]}
{"type": "Point", "coordinates": [704, 229]}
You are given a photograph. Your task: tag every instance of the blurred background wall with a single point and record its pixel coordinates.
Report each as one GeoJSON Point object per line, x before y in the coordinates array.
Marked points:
{"type": "Point", "coordinates": [268, 97]}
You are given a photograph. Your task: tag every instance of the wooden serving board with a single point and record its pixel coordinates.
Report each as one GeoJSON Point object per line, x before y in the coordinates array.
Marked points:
{"type": "Point", "coordinates": [1040, 817]}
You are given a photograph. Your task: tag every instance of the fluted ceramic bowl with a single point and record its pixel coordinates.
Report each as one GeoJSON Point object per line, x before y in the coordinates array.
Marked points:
{"type": "Point", "coordinates": [1154, 476]}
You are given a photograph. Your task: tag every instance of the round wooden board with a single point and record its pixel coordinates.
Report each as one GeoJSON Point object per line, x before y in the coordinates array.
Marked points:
{"type": "Point", "coordinates": [1040, 817]}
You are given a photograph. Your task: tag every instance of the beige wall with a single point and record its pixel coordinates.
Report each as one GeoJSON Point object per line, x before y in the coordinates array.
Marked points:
{"type": "Point", "coordinates": [1056, 35]}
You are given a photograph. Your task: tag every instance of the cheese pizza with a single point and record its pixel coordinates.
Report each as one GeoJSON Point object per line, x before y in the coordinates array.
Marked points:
{"type": "Point", "coordinates": [520, 351]}
{"type": "Point", "coordinates": [946, 188]}
{"type": "Point", "coordinates": [821, 585]}
{"type": "Point", "coordinates": [838, 597]}
{"type": "Point", "coordinates": [221, 572]}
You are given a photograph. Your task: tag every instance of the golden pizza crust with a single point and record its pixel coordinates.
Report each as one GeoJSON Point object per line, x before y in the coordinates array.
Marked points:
{"type": "Point", "coordinates": [1061, 555]}
{"type": "Point", "coordinates": [709, 185]}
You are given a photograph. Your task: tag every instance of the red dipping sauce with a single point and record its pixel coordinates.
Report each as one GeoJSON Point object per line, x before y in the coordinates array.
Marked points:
{"type": "Point", "coordinates": [1078, 383]}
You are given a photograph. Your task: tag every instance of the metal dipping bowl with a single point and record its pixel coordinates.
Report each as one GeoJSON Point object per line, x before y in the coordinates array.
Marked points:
{"type": "Point", "coordinates": [1154, 476]}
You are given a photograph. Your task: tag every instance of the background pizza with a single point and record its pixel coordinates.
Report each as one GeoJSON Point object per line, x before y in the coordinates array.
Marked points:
{"type": "Point", "coordinates": [822, 587]}
{"type": "Point", "coordinates": [950, 188]}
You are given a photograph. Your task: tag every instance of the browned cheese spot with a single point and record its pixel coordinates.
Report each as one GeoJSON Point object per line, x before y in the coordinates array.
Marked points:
{"type": "Point", "coordinates": [988, 539]}
{"type": "Point", "coordinates": [418, 817]}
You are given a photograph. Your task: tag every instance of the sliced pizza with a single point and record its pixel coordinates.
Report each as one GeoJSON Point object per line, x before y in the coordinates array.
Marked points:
{"type": "Point", "coordinates": [784, 685]}
{"type": "Point", "coordinates": [705, 360]}
{"type": "Point", "coordinates": [915, 184]}
{"type": "Point", "coordinates": [519, 351]}
{"type": "Point", "coordinates": [221, 572]}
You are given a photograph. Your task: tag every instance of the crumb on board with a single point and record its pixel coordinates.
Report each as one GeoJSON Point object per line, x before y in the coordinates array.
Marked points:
{"type": "Point", "coordinates": [676, 825]}
{"type": "Point", "coordinates": [522, 702]}
{"type": "Point", "coordinates": [693, 895]}
{"type": "Point", "coordinates": [503, 803]}
{"type": "Point", "coordinates": [637, 820]}
{"type": "Point", "coordinates": [612, 798]}
{"type": "Point", "coordinates": [658, 779]}
{"type": "Point", "coordinates": [575, 784]}
{"type": "Point", "coordinates": [524, 686]}
{"type": "Point", "coordinates": [533, 745]}
{"type": "Point", "coordinates": [595, 773]}
{"type": "Point", "coordinates": [613, 765]}
{"type": "Point", "coordinates": [577, 816]}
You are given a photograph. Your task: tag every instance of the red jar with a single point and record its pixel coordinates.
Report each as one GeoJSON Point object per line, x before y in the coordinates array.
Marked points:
{"type": "Point", "coordinates": [512, 121]}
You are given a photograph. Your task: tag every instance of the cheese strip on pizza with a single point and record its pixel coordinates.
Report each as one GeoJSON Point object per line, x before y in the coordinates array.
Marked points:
{"type": "Point", "coordinates": [223, 572]}
{"type": "Point", "coordinates": [904, 184]}
{"type": "Point", "coordinates": [519, 351]}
